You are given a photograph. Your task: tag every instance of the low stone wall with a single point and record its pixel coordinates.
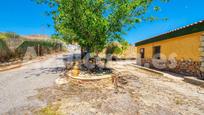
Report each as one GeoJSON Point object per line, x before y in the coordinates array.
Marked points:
{"type": "Point", "coordinates": [188, 68]}
{"type": "Point", "coordinates": [185, 67]}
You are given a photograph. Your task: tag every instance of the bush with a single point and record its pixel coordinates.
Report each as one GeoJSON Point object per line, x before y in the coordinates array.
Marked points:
{"type": "Point", "coordinates": [5, 53]}
{"type": "Point", "coordinates": [2, 36]}
{"type": "Point", "coordinates": [43, 46]}
{"type": "Point", "coordinates": [113, 49]}
{"type": "Point", "coordinates": [9, 35]}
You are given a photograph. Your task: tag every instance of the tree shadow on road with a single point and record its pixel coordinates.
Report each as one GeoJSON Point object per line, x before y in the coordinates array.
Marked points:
{"type": "Point", "coordinates": [43, 71]}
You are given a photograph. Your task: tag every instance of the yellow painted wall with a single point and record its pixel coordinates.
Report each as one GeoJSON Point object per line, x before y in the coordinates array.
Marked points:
{"type": "Point", "coordinates": [185, 47]}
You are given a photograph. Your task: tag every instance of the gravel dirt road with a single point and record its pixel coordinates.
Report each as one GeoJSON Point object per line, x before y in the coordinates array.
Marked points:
{"type": "Point", "coordinates": [139, 92]}
{"type": "Point", "coordinates": [17, 85]}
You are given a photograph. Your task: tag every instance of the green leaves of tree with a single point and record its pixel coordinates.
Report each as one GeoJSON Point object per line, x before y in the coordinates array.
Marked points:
{"type": "Point", "coordinates": [95, 23]}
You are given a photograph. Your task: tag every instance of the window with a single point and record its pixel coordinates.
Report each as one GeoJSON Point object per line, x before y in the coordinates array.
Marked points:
{"type": "Point", "coordinates": [156, 52]}
{"type": "Point", "coordinates": [142, 53]}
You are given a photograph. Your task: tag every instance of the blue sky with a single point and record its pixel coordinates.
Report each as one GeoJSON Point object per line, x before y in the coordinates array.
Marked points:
{"type": "Point", "coordinates": [26, 17]}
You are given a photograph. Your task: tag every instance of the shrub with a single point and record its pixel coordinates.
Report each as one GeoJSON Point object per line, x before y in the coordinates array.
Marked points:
{"type": "Point", "coordinates": [44, 47]}
{"type": "Point", "coordinates": [5, 53]}
{"type": "Point", "coordinates": [9, 35]}
{"type": "Point", "coordinates": [41, 47]}
{"type": "Point", "coordinates": [114, 48]}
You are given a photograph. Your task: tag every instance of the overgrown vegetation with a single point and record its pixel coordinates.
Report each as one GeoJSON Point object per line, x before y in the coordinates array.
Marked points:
{"type": "Point", "coordinates": [116, 47]}
{"type": "Point", "coordinates": [5, 53]}
{"type": "Point", "coordinates": [9, 35]}
{"type": "Point", "coordinates": [40, 47]}
{"type": "Point", "coordinates": [2, 36]}
{"type": "Point", "coordinates": [19, 49]}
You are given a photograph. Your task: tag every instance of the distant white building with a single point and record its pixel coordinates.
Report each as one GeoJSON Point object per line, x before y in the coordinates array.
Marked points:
{"type": "Point", "coordinates": [74, 51]}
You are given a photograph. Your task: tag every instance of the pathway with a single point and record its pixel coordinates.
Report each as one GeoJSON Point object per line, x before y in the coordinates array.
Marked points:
{"type": "Point", "coordinates": [17, 85]}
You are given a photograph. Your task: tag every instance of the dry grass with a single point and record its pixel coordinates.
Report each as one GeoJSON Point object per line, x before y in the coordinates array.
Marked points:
{"type": "Point", "coordinates": [178, 101]}
{"type": "Point", "coordinates": [49, 110]}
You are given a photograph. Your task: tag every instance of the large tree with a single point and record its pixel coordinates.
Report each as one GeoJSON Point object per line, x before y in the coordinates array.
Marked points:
{"type": "Point", "coordinates": [95, 23]}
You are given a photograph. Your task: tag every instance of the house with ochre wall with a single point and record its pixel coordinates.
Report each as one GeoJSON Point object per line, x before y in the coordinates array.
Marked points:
{"type": "Point", "coordinates": [180, 51]}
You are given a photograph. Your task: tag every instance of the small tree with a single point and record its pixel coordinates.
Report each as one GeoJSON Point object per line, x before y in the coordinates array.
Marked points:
{"type": "Point", "coordinates": [115, 48]}
{"type": "Point", "coordinates": [95, 23]}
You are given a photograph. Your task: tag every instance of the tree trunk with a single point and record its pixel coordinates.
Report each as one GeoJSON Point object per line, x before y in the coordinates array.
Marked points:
{"type": "Point", "coordinates": [96, 59]}
{"type": "Point", "coordinates": [108, 57]}
{"type": "Point", "coordinates": [83, 53]}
